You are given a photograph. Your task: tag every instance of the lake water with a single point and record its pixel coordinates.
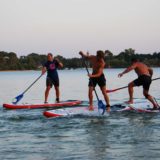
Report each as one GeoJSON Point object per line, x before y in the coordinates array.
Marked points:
{"type": "Point", "coordinates": [28, 135]}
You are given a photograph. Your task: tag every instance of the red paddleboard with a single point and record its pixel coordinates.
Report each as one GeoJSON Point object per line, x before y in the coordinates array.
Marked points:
{"type": "Point", "coordinates": [46, 105]}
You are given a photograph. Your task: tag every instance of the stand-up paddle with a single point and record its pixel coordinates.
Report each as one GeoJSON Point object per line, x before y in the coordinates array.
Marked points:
{"type": "Point", "coordinates": [19, 97]}
{"type": "Point", "coordinates": [117, 89]}
{"type": "Point", "coordinates": [101, 106]}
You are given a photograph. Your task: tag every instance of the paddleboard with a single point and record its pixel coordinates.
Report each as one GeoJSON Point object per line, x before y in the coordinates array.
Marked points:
{"type": "Point", "coordinates": [46, 105]}
{"type": "Point", "coordinates": [83, 110]}
{"type": "Point", "coordinates": [137, 106]}
{"type": "Point", "coordinates": [143, 106]}
{"type": "Point", "coordinates": [148, 110]}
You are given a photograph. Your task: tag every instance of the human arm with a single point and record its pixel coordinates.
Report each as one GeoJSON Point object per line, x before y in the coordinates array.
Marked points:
{"type": "Point", "coordinates": [98, 74]}
{"type": "Point", "coordinates": [83, 54]}
{"type": "Point", "coordinates": [43, 70]}
{"type": "Point", "coordinates": [87, 56]}
{"type": "Point", "coordinates": [60, 64]}
{"type": "Point", "coordinates": [150, 71]}
{"type": "Point", "coordinates": [130, 68]}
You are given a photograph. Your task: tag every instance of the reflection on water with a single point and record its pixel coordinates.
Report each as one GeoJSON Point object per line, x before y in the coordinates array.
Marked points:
{"type": "Point", "coordinates": [26, 134]}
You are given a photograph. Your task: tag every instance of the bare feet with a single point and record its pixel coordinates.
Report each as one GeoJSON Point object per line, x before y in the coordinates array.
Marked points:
{"type": "Point", "coordinates": [57, 100]}
{"type": "Point", "coordinates": [91, 108]}
{"type": "Point", "coordinates": [129, 102]}
{"type": "Point", "coordinates": [156, 106]}
{"type": "Point", "coordinates": [108, 109]}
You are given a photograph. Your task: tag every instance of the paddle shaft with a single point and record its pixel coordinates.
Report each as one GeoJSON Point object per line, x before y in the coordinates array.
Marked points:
{"type": "Point", "coordinates": [108, 91]}
{"type": "Point", "coordinates": [32, 84]}
{"type": "Point", "coordinates": [90, 79]}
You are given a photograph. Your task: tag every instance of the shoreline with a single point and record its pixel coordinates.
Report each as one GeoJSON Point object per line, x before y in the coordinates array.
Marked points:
{"type": "Point", "coordinates": [61, 69]}
{"type": "Point", "coordinates": [17, 70]}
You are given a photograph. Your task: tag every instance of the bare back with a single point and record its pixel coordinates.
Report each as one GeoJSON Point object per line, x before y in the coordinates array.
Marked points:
{"type": "Point", "coordinates": [141, 69]}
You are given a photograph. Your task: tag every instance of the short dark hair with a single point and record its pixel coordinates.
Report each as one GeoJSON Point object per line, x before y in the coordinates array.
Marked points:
{"type": "Point", "coordinates": [50, 54]}
{"type": "Point", "coordinates": [100, 54]}
{"type": "Point", "coordinates": [134, 59]}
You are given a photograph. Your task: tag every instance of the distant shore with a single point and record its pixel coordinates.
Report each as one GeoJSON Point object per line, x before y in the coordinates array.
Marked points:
{"type": "Point", "coordinates": [61, 69]}
{"type": "Point", "coordinates": [34, 61]}
{"type": "Point", "coordinates": [17, 70]}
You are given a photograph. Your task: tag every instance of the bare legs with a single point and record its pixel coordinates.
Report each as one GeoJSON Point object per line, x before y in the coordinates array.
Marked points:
{"type": "Point", "coordinates": [47, 93]}
{"type": "Point", "coordinates": [57, 93]}
{"type": "Point", "coordinates": [90, 95]}
{"type": "Point", "coordinates": [130, 91]}
{"type": "Point", "coordinates": [145, 93]}
{"type": "Point", "coordinates": [150, 98]}
{"type": "Point", "coordinates": [103, 89]}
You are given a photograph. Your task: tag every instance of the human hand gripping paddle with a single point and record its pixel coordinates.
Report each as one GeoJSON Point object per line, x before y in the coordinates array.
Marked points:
{"type": "Point", "coordinates": [117, 89]}
{"type": "Point", "coordinates": [101, 106]}
{"type": "Point", "coordinates": [19, 97]}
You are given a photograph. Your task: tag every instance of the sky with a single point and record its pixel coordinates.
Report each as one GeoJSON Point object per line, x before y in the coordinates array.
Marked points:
{"type": "Point", "coordinates": [65, 27]}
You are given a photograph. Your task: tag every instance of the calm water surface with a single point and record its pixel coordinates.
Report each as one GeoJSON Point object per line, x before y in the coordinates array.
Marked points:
{"type": "Point", "coordinates": [27, 135]}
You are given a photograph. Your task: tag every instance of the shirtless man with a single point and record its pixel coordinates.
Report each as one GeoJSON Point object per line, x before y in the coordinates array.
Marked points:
{"type": "Point", "coordinates": [144, 79]}
{"type": "Point", "coordinates": [97, 76]}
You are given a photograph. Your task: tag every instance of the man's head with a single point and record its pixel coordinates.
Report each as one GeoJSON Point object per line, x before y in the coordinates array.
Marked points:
{"type": "Point", "coordinates": [100, 54]}
{"type": "Point", "coordinates": [134, 60]}
{"type": "Point", "coordinates": [49, 57]}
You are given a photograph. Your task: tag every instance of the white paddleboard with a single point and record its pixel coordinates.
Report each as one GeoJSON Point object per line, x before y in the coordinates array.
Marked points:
{"type": "Point", "coordinates": [83, 110]}
{"type": "Point", "coordinates": [144, 108]}
{"type": "Point", "coordinates": [138, 106]}
{"type": "Point", "coordinates": [73, 111]}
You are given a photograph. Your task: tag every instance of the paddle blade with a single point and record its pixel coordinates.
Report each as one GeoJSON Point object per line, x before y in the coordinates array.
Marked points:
{"type": "Point", "coordinates": [17, 99]}
{"type": "Point", "coordinates": [101, 107]}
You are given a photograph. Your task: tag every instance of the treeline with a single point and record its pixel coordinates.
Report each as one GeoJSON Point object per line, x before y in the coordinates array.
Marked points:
{"type": "Point", "coordinates": [34, 61]}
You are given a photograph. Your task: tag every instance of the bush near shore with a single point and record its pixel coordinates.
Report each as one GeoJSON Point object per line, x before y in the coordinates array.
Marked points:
{"type": "Point", "coordinates": [34, 61]}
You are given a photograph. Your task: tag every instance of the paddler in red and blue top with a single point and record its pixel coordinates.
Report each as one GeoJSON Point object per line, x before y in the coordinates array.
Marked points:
{"type": "Point", "coordinates": [51, 67]}
{"type": "Point", "coordinates": [144, 79]}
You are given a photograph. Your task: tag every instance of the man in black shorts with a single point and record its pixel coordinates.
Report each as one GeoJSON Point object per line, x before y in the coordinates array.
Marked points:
{"type": "Point", "coordinates": [52, 75]}
{"type": "Point", "coordinates": [97, 77]}
{"type": "Point", "coordinates": [144, 79]}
